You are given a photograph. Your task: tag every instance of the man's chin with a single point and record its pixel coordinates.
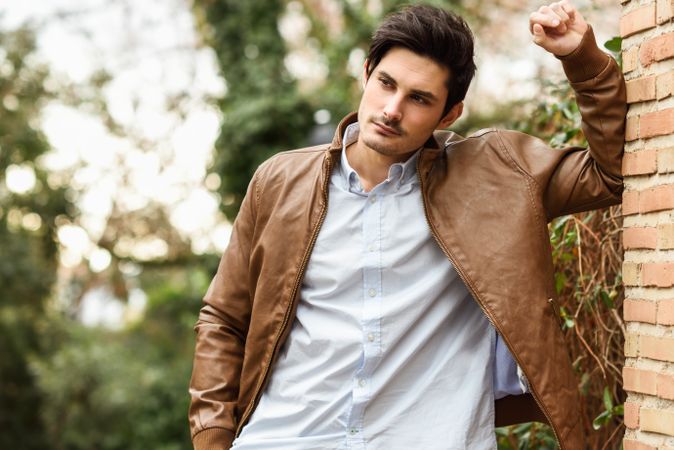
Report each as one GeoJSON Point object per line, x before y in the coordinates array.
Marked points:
{"type": "Point", "coordinates": [382, 145]}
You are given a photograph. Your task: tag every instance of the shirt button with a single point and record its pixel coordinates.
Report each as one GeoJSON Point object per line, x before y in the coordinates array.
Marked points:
{"type": "Point", "coordinates": [353, 431]}
{"type": "Point", "coordinates": [361, 383]}
{"type": "Point", "coordinates": [372, 292]}
{"type": "Point", "coordinates": [371, 247]}
{"type": "Point", "coordinates": [373, 199]}
{"type": "Point", "coordinates": [370, 337]}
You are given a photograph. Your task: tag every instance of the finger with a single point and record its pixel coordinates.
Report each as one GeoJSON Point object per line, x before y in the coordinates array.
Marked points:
{"type": "Point", "coordinates": [569, 9]}
{"type": "Point", "coordinates": [559, 10]}
{"type": "Point", "coordinates": [549, 20]}
{"type": "Point", "coordinates": [539, 34]}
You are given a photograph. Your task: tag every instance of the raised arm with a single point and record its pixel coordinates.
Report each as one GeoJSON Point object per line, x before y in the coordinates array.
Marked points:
{"type": "Point", "coordinates": [575, 179]}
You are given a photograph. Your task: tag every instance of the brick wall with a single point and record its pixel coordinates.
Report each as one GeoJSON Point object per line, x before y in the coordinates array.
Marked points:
{"type": "Point", "coordinates": [647, 28]}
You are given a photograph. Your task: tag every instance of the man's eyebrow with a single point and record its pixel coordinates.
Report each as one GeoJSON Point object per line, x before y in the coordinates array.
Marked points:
{"type": "Point", "coordinates": [428, 95]}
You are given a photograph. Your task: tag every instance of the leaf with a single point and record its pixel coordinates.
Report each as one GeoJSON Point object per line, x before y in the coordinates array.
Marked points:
{"type": "Point", "coordinates": [601, 420]}
{"type": "Point", "coordinates": [585, 384]}
{"type": "Point", "coordinates": [614, 44]}
{"type": "Point", "coordinates": [607, 299]}
{"type": "Point", "coordinates": [560, 281]}
{"type": "Point", "coordinates": [608, 401]}
{"type": "Point", "coordinates": [618, 410]}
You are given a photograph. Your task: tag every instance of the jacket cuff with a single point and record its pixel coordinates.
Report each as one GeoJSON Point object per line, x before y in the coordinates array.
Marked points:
{"type": "Point", "coordinates": [586, 61]}
{"type": "Point", "coordinates": [213, 439]}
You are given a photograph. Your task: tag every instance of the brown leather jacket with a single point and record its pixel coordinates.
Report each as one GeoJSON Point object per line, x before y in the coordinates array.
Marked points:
{"type": "Point", "coordinates": [488, 199]}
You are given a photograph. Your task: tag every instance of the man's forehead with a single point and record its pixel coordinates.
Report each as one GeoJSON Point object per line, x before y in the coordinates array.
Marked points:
{"type": "Point", "coordinates": [406, 66]}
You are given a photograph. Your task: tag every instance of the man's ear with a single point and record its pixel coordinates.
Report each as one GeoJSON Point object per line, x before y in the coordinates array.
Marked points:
{"type": "Point", "coordinates": [365, 76]}
{"type": "Point", "coordinates": [451, 116]}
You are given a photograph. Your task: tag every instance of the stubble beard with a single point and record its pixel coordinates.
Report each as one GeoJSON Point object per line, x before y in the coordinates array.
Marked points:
{"type": "Point", "coordinates": [382, 148]}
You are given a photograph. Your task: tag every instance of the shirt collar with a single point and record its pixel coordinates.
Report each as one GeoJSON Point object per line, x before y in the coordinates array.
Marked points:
{"type": "Point", "coordinates": [399, 173]}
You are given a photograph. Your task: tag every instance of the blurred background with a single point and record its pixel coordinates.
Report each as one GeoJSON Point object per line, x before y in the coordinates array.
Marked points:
{"type": "Point", "coordinates": [128, 133]}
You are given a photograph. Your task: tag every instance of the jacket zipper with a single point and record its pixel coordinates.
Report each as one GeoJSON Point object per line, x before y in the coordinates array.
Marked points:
{"type": "Point", "coordinates": [286, 317]}
{"type": "Point", "coordinates": [463, 277]}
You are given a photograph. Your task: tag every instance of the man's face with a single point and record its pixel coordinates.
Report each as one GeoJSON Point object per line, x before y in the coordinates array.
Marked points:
{"type": "Point", "coordinates": [403, 102]}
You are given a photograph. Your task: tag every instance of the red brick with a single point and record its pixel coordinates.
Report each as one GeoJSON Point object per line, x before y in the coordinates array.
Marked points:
{"type": "Point", "coordinates": [630, 59]}
{"type": "Point", "coordinates": [657, 49]}
{"type": "Point", "coordinates": [665, 386]}
{"type": "Point", "coordinates": [656, 199]}
{"type": "Point", "coordinates": [657, 123]}
{"type": "Point", "coordinates": [665, 10]}
{"type": "Point", "coordinates": [640, 311]}
{"type": "Point", "coordinates": [637, 20]}
{"type": "Point", "coordinates": [664, 85]}
{"type": "Point", "coordinates": [632, 128]}
{"type": "Point", "coordinates": [660, 348]}
{"type": "Point", "coordinates": [657, 421]}
{"type": "Point", "coordinates": [666, 160]}
{"type": "Point", "coordinates": [640, 163]}
{"type": "Point", "coordinates": [665, 315]}
{"type": "Point", "coordinates": [630, 202]}
{"type": "Point", "coordinates": [637, 380]}
{"type": "Point", "coordinates": [640, 237]}
{"type": "Point", "coordinates": [631, 415]}
{"type": "Point", "coordinates": [636, 445]}
{"type": "Point", "coordinates": [658, 274]}
{"type": "Point", "coordinates": [640, 89]}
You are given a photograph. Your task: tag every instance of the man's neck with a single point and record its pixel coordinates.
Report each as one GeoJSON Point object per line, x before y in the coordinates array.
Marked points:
{"type": "Point", "coordinates": [371, 166]}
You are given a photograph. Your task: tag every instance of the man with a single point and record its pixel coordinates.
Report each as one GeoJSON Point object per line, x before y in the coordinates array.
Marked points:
{"type": "Point", "coordinates": [394, 289]}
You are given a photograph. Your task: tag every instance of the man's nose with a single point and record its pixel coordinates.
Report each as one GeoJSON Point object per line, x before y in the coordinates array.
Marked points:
{"type": "Point", "coordinates": [393, 108]}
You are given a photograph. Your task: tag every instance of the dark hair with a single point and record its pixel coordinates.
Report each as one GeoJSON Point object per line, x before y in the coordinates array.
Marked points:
{"type": "Point", "coordinates": [435, 33]}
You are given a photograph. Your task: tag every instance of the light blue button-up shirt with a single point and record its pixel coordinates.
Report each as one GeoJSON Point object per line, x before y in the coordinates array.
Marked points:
{"type": "Point", "coordinates": [388, 349]}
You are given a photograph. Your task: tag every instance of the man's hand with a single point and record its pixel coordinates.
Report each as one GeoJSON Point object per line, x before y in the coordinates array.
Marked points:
{"type": "Point", "coordinates": [557, 27]}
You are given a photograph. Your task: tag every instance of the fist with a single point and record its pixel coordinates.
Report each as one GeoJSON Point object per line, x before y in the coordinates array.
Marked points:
{"type": "Point", "coordinates": [557, 27]}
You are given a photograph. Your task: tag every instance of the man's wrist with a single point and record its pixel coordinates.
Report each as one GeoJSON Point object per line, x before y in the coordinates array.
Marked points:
{"type": "Point", "coordinates": [586, 61]}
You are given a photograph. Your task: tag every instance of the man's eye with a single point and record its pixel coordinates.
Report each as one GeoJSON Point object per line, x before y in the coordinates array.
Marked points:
{"type": "Point", "coordinates": [385, 82]}
{"type": "Point", "coordinates": [419, 99]}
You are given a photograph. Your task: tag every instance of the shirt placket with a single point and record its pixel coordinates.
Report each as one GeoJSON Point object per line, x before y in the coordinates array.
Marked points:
{"type": "Point", "coordinates": [371, 315]}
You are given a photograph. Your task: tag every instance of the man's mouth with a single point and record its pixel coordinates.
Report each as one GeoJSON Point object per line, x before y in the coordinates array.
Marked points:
{"type": "Point", "coordinates": [385, 129]}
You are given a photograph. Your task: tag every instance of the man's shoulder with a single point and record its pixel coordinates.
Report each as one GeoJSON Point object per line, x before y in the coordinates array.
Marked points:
{"type": "Point", "coordinates": [446, 138]}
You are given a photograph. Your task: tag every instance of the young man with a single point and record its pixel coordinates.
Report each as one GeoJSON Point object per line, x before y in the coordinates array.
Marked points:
{"type": "Point", "coordinates": [394, 289]}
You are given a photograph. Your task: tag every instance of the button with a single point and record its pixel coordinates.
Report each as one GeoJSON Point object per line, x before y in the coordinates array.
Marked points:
{"type": "Point", "coordinates": [373, 199]}
{"type": "Point", "coordinates": [362, 383]}
{"type": "Point", "coordinates": [371, 247]}
{"type": "Point", "coordinates": [370, 337]}
{"type": "Point", "coordinates": [353, 431]}
{"type": "Point", "coordinates": [372, 292]}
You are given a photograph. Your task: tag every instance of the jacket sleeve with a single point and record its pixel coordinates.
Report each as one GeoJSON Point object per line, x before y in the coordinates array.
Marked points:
{"type": "Point", "coordinates": [577, 179]}
{"type": "Point", "coordinates": [220, 337]}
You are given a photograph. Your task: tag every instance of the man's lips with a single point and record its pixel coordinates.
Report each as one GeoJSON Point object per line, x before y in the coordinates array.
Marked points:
{"type": "Point", "coordinates": [384, 129]}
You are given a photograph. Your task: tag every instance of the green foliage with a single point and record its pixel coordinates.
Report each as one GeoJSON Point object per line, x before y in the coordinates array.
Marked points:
{"type": "Point", "coordinates": [28, 247]}
{"type": "Point", "coordinates": [262, 112]}
{"type": "Point", "coordinates": [526, 436]}
{"type": "Point", "coordinates": [126, 389]}
{"type": "Point", "coordinates": [609, 412]}
{"type": "Point", "coordinates": [108, 392]}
